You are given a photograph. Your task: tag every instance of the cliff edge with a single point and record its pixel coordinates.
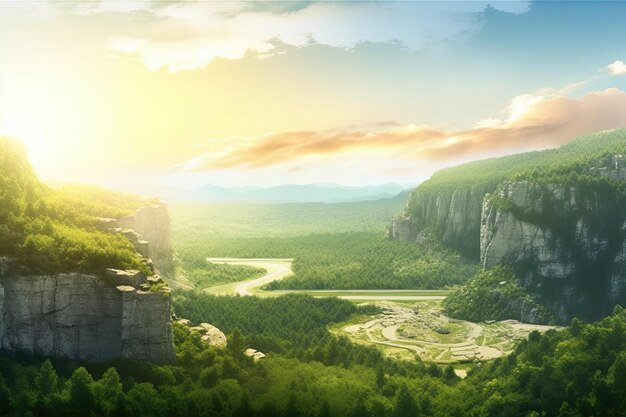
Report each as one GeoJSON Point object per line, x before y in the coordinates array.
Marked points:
{"type": "Point", "coordinates": [557, 217]}
{"type": "Point", "coordinates": [152, 224]}
{"type": "Point", "coordinates": [59, 295]}
{"type": "Point", "coordinates": [81, 316]}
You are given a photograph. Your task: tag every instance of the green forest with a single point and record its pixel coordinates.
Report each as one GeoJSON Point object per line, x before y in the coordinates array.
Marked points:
{"type": "Point", "coordinates": [46, 230]}
{"type": "Point", "coordinates": [579, 371]}
{"type": "Point", "coordinates": [308, 371]}
{"type": "Point", "coordinates": [573, 160]}
{"type": "Point", "coordinates": [500, 298]}
{"type": "Point", "coordinates": [334, 246]}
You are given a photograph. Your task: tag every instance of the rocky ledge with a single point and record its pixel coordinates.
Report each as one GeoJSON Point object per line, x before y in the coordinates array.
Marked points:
{"type": "Point", "coordinates": [86, 317]}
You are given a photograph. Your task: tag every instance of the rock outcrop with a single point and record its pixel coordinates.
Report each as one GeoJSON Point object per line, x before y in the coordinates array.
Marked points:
{"type": "Point", "coordinates": [86, 317]}
{"type": "Point", "coordinates": [152, 227]}
{"type": "Point", "coordinates": [208, 333]}
{"type": "Point", "coordinates": [566, 239]}
{"type": "Point", "coordinates": [254, 354]}
{"type": "Point", "coordinates": [568, 244]}
{"type": "Point", "coordinates": [454, 215]}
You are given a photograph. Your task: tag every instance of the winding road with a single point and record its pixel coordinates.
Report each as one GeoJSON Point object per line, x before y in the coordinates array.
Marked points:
{"type": "Point", "coordinates": [277, 269]}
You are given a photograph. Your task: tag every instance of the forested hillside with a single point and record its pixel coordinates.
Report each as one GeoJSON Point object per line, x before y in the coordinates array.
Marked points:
{"type": "Point", "coordinates": [557, 218]}
{"type": "Point", "coordinates": [47, 231]}
{"type": "Point", "coordinates": [576, 157]}
{"type": "Point", "coordinates": [574, 372]}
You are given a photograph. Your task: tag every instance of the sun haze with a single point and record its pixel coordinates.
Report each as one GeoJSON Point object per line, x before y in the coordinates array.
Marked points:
{"type": "Point", "coordinates": [261, 93]}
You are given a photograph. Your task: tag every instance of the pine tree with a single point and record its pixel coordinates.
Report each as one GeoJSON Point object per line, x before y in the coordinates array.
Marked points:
{"type": "Point", "coordinates": [404, 404]}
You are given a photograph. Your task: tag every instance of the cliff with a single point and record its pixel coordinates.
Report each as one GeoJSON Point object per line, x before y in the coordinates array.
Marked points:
{"type": "Point", "coordinates": [152, 224]}
{"type": "Point", "coordinates": [558, 217]}
{"type": "Point", "coordinates": [568, 244]}
{"type": "Point", "coordinates": [82, 316]}
{"type": "Point", "coordinates": [56, 296]}
{"type": "Point", "coordinates": [452, 214]}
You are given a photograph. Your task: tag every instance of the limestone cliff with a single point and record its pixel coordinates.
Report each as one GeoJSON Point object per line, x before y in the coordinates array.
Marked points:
{"type": "Point", "coordinates": [559, 221]}
{"type": "Point", "coordinates": [568, 244]}
{"type": "Point", "coordinates": [82, 316]}
{"type": "Point", "coordinates": [152, 225]}
{"type": "Point", "coordinates": [454, 215]}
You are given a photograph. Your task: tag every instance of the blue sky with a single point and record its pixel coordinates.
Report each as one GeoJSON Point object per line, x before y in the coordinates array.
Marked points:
{"type": "Point", "coordinates": [261, 93]}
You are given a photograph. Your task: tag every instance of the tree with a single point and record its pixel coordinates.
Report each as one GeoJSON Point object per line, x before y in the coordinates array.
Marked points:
{"type": "Point", "coordinates": [47, 380]}
{"type": "Point", "coordinates": [380, 375]}
{"type": "Point", "coordinates": [449, 375]}
{"type": "Point", "coordinates": [324, 410]}
{"type": "Point", "coordinates": [5, 397]}
{"type": "Point", "coordinates": [617, 377]}
{"type": "Point", "coordinates": [360, 408]}
{"type": "Point", "coordinates": [292, 409]}
{"type": "Point", "coordinates": [237, 344]}
{"type": "Point", "coordinates": [404, 404]}
{"type": "Point", "coordinates": [148, 400]}
{"type": "Point", "coordinates": [82, 398]}
{"type": "Point", "coordinates": [110, 389]}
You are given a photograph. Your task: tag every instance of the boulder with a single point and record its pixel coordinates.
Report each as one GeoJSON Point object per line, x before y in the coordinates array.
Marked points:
{"type": "Point", "coordinates": [130, 277]}
{"type": "Point", "coordinates": [254, 354]}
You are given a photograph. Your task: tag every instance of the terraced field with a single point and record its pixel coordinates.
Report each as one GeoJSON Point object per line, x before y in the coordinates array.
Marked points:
{"type": "Point", "coordinates": [404, 329]}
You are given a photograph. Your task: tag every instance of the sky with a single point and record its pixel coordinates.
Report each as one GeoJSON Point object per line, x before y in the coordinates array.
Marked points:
{"type": "Point", "coordinates": [264, 93]}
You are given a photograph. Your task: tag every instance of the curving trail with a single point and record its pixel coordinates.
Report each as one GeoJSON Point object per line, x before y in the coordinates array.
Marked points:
{"type": "Point", "coordinates": [276, 269]}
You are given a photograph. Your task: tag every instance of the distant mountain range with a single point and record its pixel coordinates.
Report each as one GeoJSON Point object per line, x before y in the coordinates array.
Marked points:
{"type": "Point", "coordinates": [290, 193]}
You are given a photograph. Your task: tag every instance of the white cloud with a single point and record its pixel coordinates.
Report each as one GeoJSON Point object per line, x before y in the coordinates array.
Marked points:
{"type": "Point", "coordinates": [112, 6]}
{"type": "Point", "coordinates": [32, 10]}
{"type": "Point", "coordinates": [187, 35]}
{"type": "Point", "coordinates": [229, 30]}
{"type": "Point", "coordinates": [616, 68]}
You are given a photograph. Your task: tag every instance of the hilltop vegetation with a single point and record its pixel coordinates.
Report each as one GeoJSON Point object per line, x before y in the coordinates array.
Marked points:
{"type": "Point", "coordinates": [334, 246]}
{"type": "Point", "coordinates": [572, 160]}
{"type": "Point", "coordinates": [49, 231]}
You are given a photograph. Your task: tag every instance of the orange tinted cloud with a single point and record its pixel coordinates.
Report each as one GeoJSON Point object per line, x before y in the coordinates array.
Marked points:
{"type": "Point", "coordinates": [531, 122]}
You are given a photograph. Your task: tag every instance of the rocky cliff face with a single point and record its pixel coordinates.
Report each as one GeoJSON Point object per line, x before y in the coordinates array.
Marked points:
{"type": "Point", "coordinates": [152, 225]}
{"type": "Point", "coordinates": [567, 242]}
{"type": "Point", "coordinates": [453, 214]}
{"type": "Point", "coordinates": [82, 316]}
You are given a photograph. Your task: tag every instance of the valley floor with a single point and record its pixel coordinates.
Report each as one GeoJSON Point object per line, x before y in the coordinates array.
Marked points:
{"type": "Point", "coordinates": [411, 322]}
{"type": "Point", "coordinates": [277, 269]}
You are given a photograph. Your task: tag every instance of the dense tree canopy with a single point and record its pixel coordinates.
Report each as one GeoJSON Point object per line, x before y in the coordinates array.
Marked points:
{"type": "Point", "coordinates": [46, 231]}
{"type": "Point", "coordinates": [578, 371]}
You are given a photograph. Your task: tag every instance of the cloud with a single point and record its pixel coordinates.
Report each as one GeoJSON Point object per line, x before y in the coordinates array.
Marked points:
{"type": "Point", "coordinates": [31, 10]}
{"type": "Point", "coordinates": [616, 68]}
{"type": "Point", "coordinates": [531, 122]}
{"type": "Point", "coordinates": [204, 31]}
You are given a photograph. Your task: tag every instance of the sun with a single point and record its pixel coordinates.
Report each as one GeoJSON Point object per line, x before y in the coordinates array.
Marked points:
{"type": "Point", "coordinates": [31, 135]}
